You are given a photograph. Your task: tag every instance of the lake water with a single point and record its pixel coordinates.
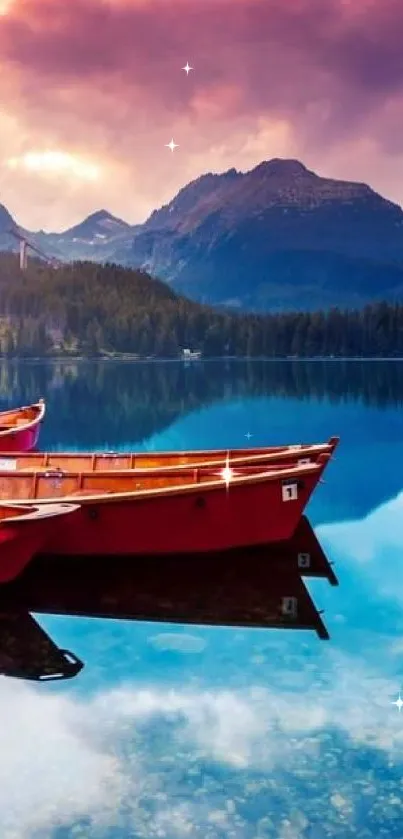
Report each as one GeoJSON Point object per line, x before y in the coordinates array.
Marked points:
{"type": "Point", "coordinates": [174, 731]}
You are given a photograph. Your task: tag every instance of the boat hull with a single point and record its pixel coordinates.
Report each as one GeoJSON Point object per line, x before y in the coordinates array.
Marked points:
{"type": "Point", "coordinates": [24, 440]}
{"type": "Point", "coordinates": [205, 519]}
{"type": "Point", "coordinates": [23, 536]}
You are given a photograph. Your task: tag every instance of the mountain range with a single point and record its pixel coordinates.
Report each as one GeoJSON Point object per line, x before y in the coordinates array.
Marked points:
{"type": "Point", "coordinates": [278, 237]}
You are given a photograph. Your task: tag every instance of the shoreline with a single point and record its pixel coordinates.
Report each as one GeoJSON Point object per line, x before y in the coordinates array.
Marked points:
{"type": "Point", "coordinates": [64, 359]}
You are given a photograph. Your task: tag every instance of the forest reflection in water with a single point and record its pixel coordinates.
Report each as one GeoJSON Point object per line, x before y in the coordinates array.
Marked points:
{"type": "Point", "coordinates": [94, 404]}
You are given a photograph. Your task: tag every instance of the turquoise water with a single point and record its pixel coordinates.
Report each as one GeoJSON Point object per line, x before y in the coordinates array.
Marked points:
{"type": "Point", "coordinates": [174, 731]}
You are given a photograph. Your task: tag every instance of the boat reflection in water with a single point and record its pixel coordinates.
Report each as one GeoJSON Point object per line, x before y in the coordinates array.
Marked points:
{"type": "Point", "coordinates": [27, 652]}
{"type": "Point", "coordinates": [257, 587]}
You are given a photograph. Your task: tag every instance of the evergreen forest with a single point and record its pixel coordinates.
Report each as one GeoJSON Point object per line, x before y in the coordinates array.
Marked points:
{"type": "Point", "coordinates": [92, 310]}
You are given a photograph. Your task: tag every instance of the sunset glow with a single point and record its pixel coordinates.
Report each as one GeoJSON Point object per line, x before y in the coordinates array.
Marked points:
{"type": "Point", "coordinates": [5, 6]}
{"type": "Point", "coordinates": [317, 81]}
{"type": "Point", "coordinates": [55, 162]}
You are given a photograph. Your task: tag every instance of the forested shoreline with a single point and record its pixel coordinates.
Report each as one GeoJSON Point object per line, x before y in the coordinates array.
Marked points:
{"type": "Point", "coordinates": [85, 309]}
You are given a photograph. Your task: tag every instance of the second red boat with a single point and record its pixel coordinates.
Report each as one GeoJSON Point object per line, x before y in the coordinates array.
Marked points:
{"type": "Point", "coordinates": [119, 514]}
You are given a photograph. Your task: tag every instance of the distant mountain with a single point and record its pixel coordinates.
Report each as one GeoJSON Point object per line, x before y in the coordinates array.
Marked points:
{"type": "Point", "coordinates": [94, 238]}
{"type": "Point", "coordinates": [99, 225]}
{"type": "Point", "coordinates": [277, 237]}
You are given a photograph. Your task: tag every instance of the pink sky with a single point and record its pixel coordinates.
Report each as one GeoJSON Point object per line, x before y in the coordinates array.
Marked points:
{"type": "Point", "coordinates": [92, 90]}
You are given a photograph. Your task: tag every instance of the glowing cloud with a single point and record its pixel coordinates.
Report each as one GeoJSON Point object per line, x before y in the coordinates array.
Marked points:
{"type": "Point", "coordinates": [55, 163]}
{"type": "Point", "coordinates": [5, 6]}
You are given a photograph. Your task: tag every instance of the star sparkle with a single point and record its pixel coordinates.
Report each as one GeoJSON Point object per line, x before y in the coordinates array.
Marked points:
{"type": "Point", "coordinates": [172, 145]}
{"type": "Point", "coordinates": [398, 702]}
{"type": "Point", "coordinates": [187, 68]}
{"type": "Point", "coordinates": [248, 435]}
{"type": "Point", "coordinates": [227, 473]}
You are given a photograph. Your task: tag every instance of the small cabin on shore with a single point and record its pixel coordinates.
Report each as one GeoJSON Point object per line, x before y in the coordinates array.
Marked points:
{"type": "Point", "coordinates": [189, 355]}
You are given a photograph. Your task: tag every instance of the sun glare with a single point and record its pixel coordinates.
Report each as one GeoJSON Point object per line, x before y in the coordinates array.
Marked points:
{"type": "Point", "coordinates": [55, 162]}
{"type": "Point", "coordinates": [5, 6]}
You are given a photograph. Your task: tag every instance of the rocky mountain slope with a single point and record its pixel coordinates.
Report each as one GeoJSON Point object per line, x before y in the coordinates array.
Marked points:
{"type": "Point", "coordinates": [277, 237]}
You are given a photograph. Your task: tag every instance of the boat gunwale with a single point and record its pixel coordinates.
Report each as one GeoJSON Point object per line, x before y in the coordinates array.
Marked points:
{"type": "Point", "coordinates": [258, 451]}
{"type": "Point", "coordinates": [267, 455]}
{"type": "Point", "coordinates": [332, 442]}
{"type": "Point", "coordinates": [168, 491]}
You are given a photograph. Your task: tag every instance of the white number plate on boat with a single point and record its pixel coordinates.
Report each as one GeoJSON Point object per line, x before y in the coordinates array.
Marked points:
{"type": "Point", "coordinates": [289, 492]}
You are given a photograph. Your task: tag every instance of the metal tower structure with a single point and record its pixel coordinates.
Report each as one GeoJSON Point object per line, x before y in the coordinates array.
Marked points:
{"type": "Point", "coordinates": [26, 245]}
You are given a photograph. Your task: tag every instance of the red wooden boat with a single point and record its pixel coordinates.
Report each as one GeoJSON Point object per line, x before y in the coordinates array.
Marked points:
{"type": "Point", "coordinates": [163, 512]}
{"type": "Point", "coordinates": [27, 652]}
{"type": "Point", "coordinates": [19, 429]}
{"type": "Point", "coordinates": [24, 531]}
{"type": "Point", "coordinates": [118, 461]}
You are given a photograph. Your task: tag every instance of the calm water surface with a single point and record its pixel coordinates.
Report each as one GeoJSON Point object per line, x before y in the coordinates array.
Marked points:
{"type": "Point", "coordinates": [174, 731]}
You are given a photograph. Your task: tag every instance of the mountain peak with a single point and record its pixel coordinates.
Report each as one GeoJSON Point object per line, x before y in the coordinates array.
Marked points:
{"type": "Point", "coordinates": [281, 166]}
{"type": "Point", "coordinates": [100, 215]}
{"type": "Point", "coordinates": [104, 215]}
{"type": "Point", "coordinates": [100, 224]}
